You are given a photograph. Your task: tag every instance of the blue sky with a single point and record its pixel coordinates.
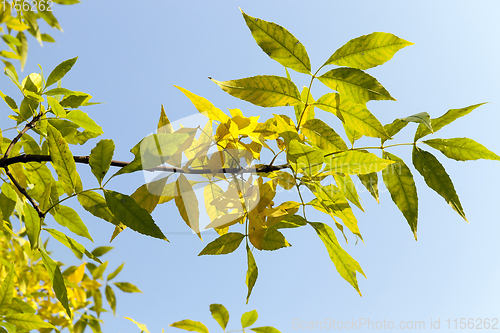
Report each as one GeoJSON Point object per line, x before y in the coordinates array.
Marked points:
{"type": "Point", "coordinates": [132, 53]}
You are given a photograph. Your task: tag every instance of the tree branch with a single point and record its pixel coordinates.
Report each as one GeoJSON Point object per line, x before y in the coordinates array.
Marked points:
{"type": "Point", "coordinates": [26, 158]}
{"type": "Point", "coordinates": [24, 192]}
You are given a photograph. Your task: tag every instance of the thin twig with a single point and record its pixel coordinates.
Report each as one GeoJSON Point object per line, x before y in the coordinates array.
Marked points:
{"type": "Point", "coordinates": [24, 192]}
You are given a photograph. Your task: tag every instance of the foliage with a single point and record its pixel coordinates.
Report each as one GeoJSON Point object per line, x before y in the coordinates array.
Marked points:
{"type": "Point", "coordinates": [223, 156]}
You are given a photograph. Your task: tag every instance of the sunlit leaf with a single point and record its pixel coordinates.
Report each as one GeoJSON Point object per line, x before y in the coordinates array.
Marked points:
{"type": "Point", "coordinates": [370, 181]}
{"type": "Point", "coordinates": [447, 118]}
{"type": "Point", "coordinates": [355, 85]}
{"type": "Point", "coordinates": [220, 314]}
{"type": "Point", "coordinates": [249, 318]}
{"type": "Point", "coordinates": [344, 263]}
{"type": "Point", "coordinates": [187, 204]}
{"type": "Point", "coordinates": [462, 149]}
{"type": "Point", "coordinates": [127, 287]}
{"type": "Point", "coordinates": [60, 70]}
{"type": "Point", "coordinates": [279, 44]}
{"type": "Point", "coordinates": [95, 204]}
{"type": "Point", "coordinates": [190, 325]}
{"type": "Point", "coordinates": [84, 121]}
{"type": "Point", "coordinates": [354, 162]}
{"type": "Point", "coordinates": [323, 136]}
{"type": "Point", "coordinates": [435, 177]}
{"type": "Point", "coordinates": [111, 298]}
{"type": "Point", "coordinates": [57, 280]}
{"type": "Point", "coordinates": [304, 157]}
{"type": "Point", "coordinates": [32, 222]}
{"type": "Point", "coordinates": [142, 327]}
{"type": "Point", "coordinates": [69, 218]}
{"type": "Point", "coordinates": [132, 215]}
{"type": "Point", "coordinates": [71, 244]}
{"type": "Point", "coordinates": [101, 250]}
{"type": "Point", "coordinates": [204, 105]}
{"type": "Point", "coordinates": [27, 321]}
{"type": "Point", "coordinates": [394, 127]}
{"type": "Point", "coordinates": [368, 51]}
{"type": "Point", "coordinates": [348, 188]}
{"type": "Point", "coordinates": [252, 272]}
{"type": "Point", "coordinates": [224, 244]}
{"type": "Point", "coordinates": [400, 184]}
{"type": "Point", "coordinates": [7, 289]}
{"type": "Point", "coordinates": [62, 161]}
{"type": "Point", "coordinates": [112, 275]}
{"type": "Point", "coordinates": [265, 329]}
{"type": "Point", "coordinates": [273, 240]}
{"type": "Point", "coordinates": [100, 158]}
{"type": "Point", "coordinates": [263, 90]}
{"type": "Point", "coordinates": [423, 118]}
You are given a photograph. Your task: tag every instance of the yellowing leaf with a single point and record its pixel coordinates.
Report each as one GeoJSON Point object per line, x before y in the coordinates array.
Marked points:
{"type": "Point", "coordinates": [127, 287]}
{"type": "Point", "coordinates": [249, 318]}
{"type": "Point", "coordinates": [304, 157]}
{"type": "Point", "coordinates": [323, 136]}
{"type": "Point", "coordinates": [57, 280]}
{"type": "Point", "coordinates": [187, 204]}
{"type": "Point", "coordinates": [7, 289]}
{"type": "Point", "coordinates": [203, 105]}
{"type": "Point", "coordinates": [279, 44]}
{"type": "Point", "coordinates": [355, 85]}
{"type": "Point", "coordinates": [142, 327]}
{"type": "Point", "coordinates": [164, 123]}
{"type": "Point", "coordinates": [190, 325]}
{"type": "Point", "coordinates": [347, 187]}
{"type": "Point", "coordinates": [273, 240]}
{"type": "Point", "coordinates": [435, 177]}
{"type": "Point", "coordinates": [370, 181]}
{"type": "Point", "coordinates": [28, 321]}
{"type": "Point", "coordinates": [252, 272]}
{"type": "Point", "coordinates": [400, 184]}
{"type": "Point", "coordinates": [368, 51]}
{"type": "Point", "coordinates": [354, 162]}
{"type": "Point", "coordinates": [224, 244]}
{"type": "Point", "coordinates": [220, 314]}
{"type": "Point", "coordinates": [263, 90]}
{"type": "Point", "coordinates": [62, 161]}
{"type": "Point", "coordinates": [344, 263]}
{"type": "Point", "coordinates": [462, 149]}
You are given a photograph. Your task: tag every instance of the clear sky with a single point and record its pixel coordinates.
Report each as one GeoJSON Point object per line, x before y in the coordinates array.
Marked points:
{"type": "Point", "coordinates": [131, 53]}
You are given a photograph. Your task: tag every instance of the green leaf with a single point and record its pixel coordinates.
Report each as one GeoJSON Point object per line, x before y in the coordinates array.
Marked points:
{"type": "Point", "coordinates": [355, 85]}
{"type": "Point", "coordinates": [225, 244]}
{"type": "Point", "coordinates": [7, 289]}
{"type": "Point", "coordinates": [304, 157]}
{"type": "Point", "coordinates": [190, 325]}
{"type": "Point", "coordinates": [279, 44]}
{"type": "Point", "coordinates": [60, 70]}
{"type": "Point", "coordinates": [302, 114]}
{"type": "Point", "coordinates": [101, 250]}
{"type": "Point", "coordinates": [62, 161]}
{"type": "Point", "coordinates": [111, 298]}
{"type": "Point", "coordinates": [252, 272]}
{"type": "Point", "coordinates": [344, 263]}
{"type": "Point", "coordinates": [370, 181]}
{"type": "Point", "coordinates": [95, 204]}
{"type": "Point", "coordinates": [58, 91]}
{"type": "Point", "coordinates": [335, 203]}
{"type": "Point", "coordinates": [142, 327]}
{"type": "Point", "coordinates": [112, 275]}
{"type": "Point", "coordinates": [56, 107]}
{"type": "Point", "coordinates": [57, 280]}
{"type": "Point", "coordinates": [132, 215]}
{"type": "Point", "coordinates": [187, 204]}
{"type": "Point", "coordinates": [400, 184]}
{"type": "Point", "coordinates": [249, 318]}
{"type": "Point", "coordinates": [68, 217]}
{"type": "Point", "coordinates": [356, 116]}
{"type": "Point", "coordinates": [422, 118]}
{"type": "Point", "coordinates": [100, 158]}
{"type": "Point", "coordinates": [447, 118]}
{"type": "Point", "coordinates": [435, 177]}
{"type": "Point", "coordinates": [32, 222]}
{"type": "Point", "coordinates": [71, 244]}
{"type": "Point", "coordinates": [394, 127]}
{"type": "Point", "coordinates": [220, 314]}
{"type": "Point", "coordinates": [127, 287]}
{"type": "Point", "coordinates": [263, 90]}
{"type": "Point", "coordinates": [347, 187]}
{"type": "Point", "coordinates": [274, 240]}
{"type": "Point", "coordinates": [354, 162]}
{"type": "Point", "coordinates": [204, 105]}
{"type": "Point", "coordinates": [323, 136]}
{"type": "Point", "coordinates": [265, 329]}
{"type": "Point", "coordinates": [84, 121]}
{"type": "Point", "coordinates": [290, 221]}
{"type": "Point", "coordinates": [99, 271]}
{"type": "Point", "coordinates": [462, 149]}
{"type": "Point", "coordinates": [368, 51]}
{"type": "Point", "coordinates": [27, 321]}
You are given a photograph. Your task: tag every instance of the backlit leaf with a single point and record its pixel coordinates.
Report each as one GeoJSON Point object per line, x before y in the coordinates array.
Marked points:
{"type": "Point", "coordinates": [422, 118]}
{"type": "Point", "coordinates": [112, 275]}
{"type": "Point", "coordinates": [462, 149]}
{"type": "Point", "coordinates": [27, 321]}
{"type": "Point", "coordinates": [447, 118]}
{"type": "Point", "coordinates": [57, 280]}
{"type": "Point", "coordinates": [304, 157]}
{"type": "Point", "coordinates": [273, 240]}
{"type": "Point", "coordinates": [62, 161]}
{"type": "Point", "coordinates": [355, 85]}
{"type": "Point", "coordinates": [368, 51]}
{"type": "Point", "coordinates": [142, 327]}
{"type": "Point", "coordinates": [224, 244]}
{"type": "Point", "coordinates": [344, 263]}
{"type": "Point", "coordinates": [220, 314]}
{"type": "Point", "coordinates": [249, 318]}
{"type": "Point", "coordinates": [265, 329]}
{"type": "Point", "coordinates": [111, 298]}
{"type": "Point", "coordinates": [347, 187]}
{"type": "Point", "coordinates": [68, 217]}
{"type": "Point", "coordinates": [100, 158]}
{"type": "Point", "coordinates": [204, 105]}
{"type": "Point", "coordinates": [7, 289]}
{"type": "Point", "coordinates": [279, 44]}
{"type": "Point", "coordinates": [323, 136]}
{"type": "Point", "coordinates": [190, 325]}
{"type": "Point", "coordinates": [71, 244]}
{"type": "Point", "coordinates": [60, 70]}
{"type": "Point", "coordinates": [131, 214]}
{"type": "Point", "coordinates": [400, 184]}
{"type": "Point", "coordinates": [252, 272]}
{"type": "Point", "coordinates": [32, 222]}
{"type": "Point", "coordinates": [435, 177]}
{"type": "Point", "coordinates": [187, 204]}
{"type": "Point", "coordinates": [370, 181]}
{"type": "Point", "coordinates": [263, 90]}
{"type": "Point", "coordinates": [354, 162]}
{"type": "Point", "coordinates": [95, 204]}
{"type": "Point", "coordinates": [127, 287]}
{"type": "Point", "coordinates": [84, 121]}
